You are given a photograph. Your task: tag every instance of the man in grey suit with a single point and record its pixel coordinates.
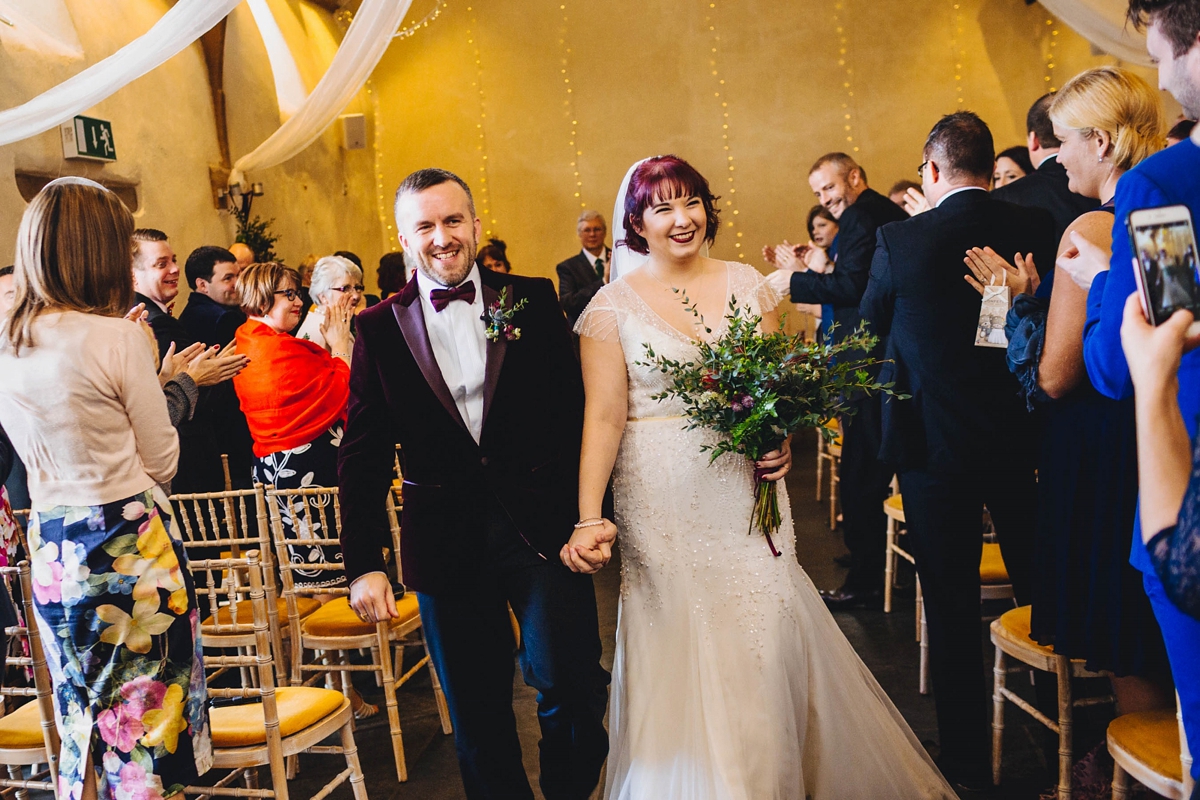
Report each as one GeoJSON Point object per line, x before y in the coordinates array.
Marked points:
{"type": "Point", "coordinates": [582, 275]}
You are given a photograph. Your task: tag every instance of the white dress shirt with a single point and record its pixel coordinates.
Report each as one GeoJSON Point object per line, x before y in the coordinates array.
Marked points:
{"type": "Point", "coordinates": [456, 335]}
{"type": "Point", "coordinates": [591, 259]}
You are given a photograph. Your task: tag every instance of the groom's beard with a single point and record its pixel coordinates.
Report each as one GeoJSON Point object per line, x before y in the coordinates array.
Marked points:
{"type": "Point", "coordinates": [440, 273]}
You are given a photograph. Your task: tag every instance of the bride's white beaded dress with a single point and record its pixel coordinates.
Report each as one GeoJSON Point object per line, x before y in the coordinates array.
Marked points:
{"type": "Point", "coordinates": [731, 680]}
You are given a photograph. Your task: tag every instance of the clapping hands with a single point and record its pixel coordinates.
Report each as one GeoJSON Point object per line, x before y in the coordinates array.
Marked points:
{"type": "Point", "coordinates": [589, 548]}
{"type": "Point", "coordinates": [988, 267]}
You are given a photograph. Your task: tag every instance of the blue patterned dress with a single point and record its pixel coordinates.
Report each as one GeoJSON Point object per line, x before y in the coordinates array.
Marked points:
{"type": "Point", "coordinates": [117, 613]}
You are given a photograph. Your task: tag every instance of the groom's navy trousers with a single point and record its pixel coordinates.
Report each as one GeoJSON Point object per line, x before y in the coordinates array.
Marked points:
{"type": "Point", "coordinates": [470, 639]}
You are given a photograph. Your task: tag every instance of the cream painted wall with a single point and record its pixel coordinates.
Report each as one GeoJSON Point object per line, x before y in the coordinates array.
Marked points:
{"type": "Point", "coordinates": [323, 200]}
{"type": "Point", "coordinates": [643, 84]}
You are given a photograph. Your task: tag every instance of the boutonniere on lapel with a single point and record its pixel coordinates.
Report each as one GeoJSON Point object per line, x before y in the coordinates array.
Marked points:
{"type": "Point", "coordinates": [499, 318]}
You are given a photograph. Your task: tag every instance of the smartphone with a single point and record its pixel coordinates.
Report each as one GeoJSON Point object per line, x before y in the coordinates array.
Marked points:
{"type": "Point", "coordinates": [1164, 254]}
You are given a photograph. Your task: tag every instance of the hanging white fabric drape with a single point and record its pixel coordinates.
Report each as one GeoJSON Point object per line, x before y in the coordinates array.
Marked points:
{"type": "Point", "coordinates": [186, 22]}
{"type": "Point", "coordinates": [1102, 22]}
{"type": "Point", "coordinates": [364, 44]}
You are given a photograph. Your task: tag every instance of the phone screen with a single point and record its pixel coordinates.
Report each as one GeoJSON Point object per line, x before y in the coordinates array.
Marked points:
{"type": "Point", "coordinates": [1166, 257]}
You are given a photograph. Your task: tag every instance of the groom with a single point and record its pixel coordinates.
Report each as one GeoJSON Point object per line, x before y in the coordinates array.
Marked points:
{"type": "Point", "coordinates": [489, 427]}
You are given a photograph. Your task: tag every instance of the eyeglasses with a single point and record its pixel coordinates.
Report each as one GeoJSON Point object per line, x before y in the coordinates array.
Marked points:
{"type": "Point", "coordinates": [921, 169]}
{"type": "Point", "coordinates": [290, 294]}
{"type": "Point", "coordinates": [358, 287]}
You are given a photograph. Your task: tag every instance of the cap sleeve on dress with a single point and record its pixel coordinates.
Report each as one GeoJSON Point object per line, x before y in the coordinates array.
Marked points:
{"type": "Point", "coordinates": [599, 320]}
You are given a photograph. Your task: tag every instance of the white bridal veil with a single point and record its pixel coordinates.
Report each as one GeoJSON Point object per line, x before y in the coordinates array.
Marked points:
{"type": "Point", "coordinates": [624, 260]}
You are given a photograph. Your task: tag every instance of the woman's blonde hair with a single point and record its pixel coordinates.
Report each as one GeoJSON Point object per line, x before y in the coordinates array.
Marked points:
{"type": "Point", "coordinates": [74, 251]}
{"type": "Point", "coordinates": [257, 284]}
{"type": "Point", "coordinates": [1118, 102]}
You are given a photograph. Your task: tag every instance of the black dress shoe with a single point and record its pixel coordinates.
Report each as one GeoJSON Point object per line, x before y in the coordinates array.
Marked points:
{"type": "Point", "coordinates": [851, 598]}
{"type": "Point", "coordinates": [844, 560]}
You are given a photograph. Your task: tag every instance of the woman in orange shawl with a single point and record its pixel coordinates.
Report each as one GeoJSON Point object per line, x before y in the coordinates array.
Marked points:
{"type": "Point", "coordinates": [294, 395]}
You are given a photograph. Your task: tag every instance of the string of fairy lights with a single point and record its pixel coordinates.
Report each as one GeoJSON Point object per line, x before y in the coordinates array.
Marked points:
{"type": "Point", "coordinates": [569, 104]}
{"type": "Point", "coordinates": [959, 52]}
{"type": "Point", "coordinates": [484, 191]}
{"type": "Point", "coordinates": [1050, 52]}
{"type": "Point", "coordinates": [721, 95]}
{"type": "Point", "coordinates": [839, 24]}
{"type": "Point", "coordinates": [429, 17]}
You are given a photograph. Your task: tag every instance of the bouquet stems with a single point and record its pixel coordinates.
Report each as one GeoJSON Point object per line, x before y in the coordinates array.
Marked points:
{"type": "Point", "coordinates": [766, 509]}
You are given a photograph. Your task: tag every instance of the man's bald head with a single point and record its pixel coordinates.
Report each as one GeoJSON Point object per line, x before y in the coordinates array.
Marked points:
{"type": "Point", "coordinates": [242, 252]}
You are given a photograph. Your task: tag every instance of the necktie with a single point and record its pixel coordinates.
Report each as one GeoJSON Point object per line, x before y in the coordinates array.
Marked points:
{"type": "Point", "coordinates": [600, 268]}
{"type": "Point", "coordinates": [443, 297]}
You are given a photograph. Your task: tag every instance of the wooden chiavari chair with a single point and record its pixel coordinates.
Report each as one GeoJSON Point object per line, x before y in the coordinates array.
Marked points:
{"type": "Point", "coordinates": [277, 723]}
{"type": "Point", "coordinates": [335, 628]}
{"type": "Point", "coordinates": [227, 524]}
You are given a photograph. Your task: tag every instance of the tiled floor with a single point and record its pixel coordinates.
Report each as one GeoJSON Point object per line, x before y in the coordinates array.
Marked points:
{"type": "Point", "coordinates": [885, 642]}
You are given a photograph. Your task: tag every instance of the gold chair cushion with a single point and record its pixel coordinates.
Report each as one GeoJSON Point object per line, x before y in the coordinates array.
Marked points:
{"type": "Point", "coordinates": [22, 729]}
{"type": "Point", "coordinates": [894, 507]}
{"type": "Point", "coordinates": [337, 618]}
{"type": "Point", "coordinates": [245, 612]}
{"type": "Point", "coordinates": [1152, 737]}
{"type": "Point", "coordinates": [1017, 628]}
{"type": "Point", "coordinates": [299, 707]}
{"type": "Point", "coordinates": [991, 565]}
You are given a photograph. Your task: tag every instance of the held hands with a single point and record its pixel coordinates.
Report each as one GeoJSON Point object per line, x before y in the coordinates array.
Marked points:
{"type": "Point", "coordinates": [988, 267]}
{"type": "Point", "coordinates": [1083, 261]}
{"type": "Point", "coordinates": [589, 548]}
{"type": "Point", "coordinates": [778, 460]}
{"type": "Point", "coordinates": [1153, 352]}
{"type": "Point", "coordinates": [372, 599]}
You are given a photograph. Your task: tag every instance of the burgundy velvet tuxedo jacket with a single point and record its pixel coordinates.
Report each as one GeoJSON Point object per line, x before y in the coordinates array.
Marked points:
{"type": "Point", "coordinates": [527, 458]}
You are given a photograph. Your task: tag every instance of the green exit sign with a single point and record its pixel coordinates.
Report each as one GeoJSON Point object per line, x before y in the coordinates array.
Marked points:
{"type": "Point", "coordinates": [90, 138]}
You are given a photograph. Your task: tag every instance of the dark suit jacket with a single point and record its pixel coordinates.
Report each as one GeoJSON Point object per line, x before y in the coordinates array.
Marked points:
{"type": "Point", "coordinates": [219, 410]}
{"type": "Point", "coordinates": [166, 327]}
{"type": "Point", "coordinates": [843, 288]}
{"type": "Point", "coordinates": [578, 284]}
{"type": "Point", "coordinates": [527, 458]}
{"type": "Point", "coordinates": [199, 454]}
{"type": "Point", "coordinates": [965, 406]}
{"type": "Point", "coordinates": [1046, 188]}
{"type": "Point", "coordinates": [210, 322]}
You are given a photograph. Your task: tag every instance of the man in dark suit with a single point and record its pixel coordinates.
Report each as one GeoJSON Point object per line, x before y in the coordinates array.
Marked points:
{"type": "Point", "coordinates": [840, 185]}
{"type": "Point", "coordinates": [582, 275]}
{"type": "Point", "coordinates": [490, 430]}
{"type": "Point", "coordinates": [156, 285]}
{"type": "Point", "coordinates": [213, 315]}
{"type": "Point", "coordinates": [964, 438]}
{"type": "Point", "coordinates": [1046, 187]}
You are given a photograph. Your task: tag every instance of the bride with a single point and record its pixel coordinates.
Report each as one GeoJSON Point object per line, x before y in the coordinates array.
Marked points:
{"type": "Point", "coordinates": [731, 680]}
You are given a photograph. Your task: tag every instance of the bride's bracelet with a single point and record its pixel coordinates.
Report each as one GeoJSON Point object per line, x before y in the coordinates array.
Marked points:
{"type": "Point", "coordinates": [589, 523]}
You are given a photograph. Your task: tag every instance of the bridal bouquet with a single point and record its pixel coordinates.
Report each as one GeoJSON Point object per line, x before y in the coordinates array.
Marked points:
{"type": "Point", "coordinates": [756, 389]}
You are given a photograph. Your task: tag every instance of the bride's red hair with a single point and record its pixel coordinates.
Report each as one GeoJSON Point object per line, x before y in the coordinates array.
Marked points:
{"type": "Point", "coordinates": [666, 178]}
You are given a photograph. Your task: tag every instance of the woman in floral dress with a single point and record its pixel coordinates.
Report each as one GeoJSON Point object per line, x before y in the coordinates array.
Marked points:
{"type": "Point", "coordinates": [82, 405]}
